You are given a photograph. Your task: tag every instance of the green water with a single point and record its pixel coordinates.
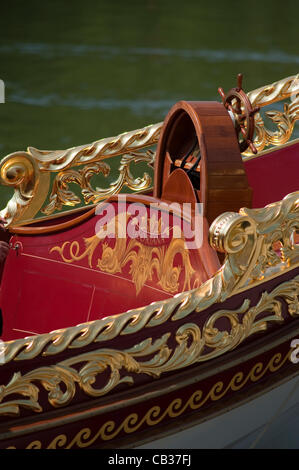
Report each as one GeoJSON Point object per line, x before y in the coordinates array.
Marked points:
{"type": "Point", "coordinates": [76, 71]}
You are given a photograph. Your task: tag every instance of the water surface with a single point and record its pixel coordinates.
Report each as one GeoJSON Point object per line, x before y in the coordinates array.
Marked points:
{"type": "Point", "coordinates": [79, 71]}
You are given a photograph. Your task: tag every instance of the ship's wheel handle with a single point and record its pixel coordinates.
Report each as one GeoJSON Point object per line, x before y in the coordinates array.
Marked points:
{"type": "Point", "coordinates": [236, 101]}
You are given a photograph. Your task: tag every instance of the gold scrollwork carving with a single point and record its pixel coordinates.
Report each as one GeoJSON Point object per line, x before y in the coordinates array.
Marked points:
{"type": "Point", "coordinates": [61, 195]}
{"type": "Point", "coordinates": [251, 258]}
{"type": "Point", "coordinates": [191, 342]}
{"type": "Point", "coordinates": [144, 260]}
{"type": "Point", "coordinates": [277, 91]}
{"type": "Point", "coordinates": [23, 208]}
{"type": "Point", "coordinates": [31, 191]}
{"type": "Point", "coordinates": [20, 171]}
{"type": "Point", "coordinates": [156, 414]}
{"type": "Point", "coordinates": [126, 143]}
{"type": "Point", "coordinates": [277, 225]}
{"type": "Point", "coordinates": [284, 120]}
{"type": "Point", "coordinates": [131, 141]}
{"type": "Point", "coordinates": [63, 375]}
{"type": "Point", "coordinates": [257, 240]}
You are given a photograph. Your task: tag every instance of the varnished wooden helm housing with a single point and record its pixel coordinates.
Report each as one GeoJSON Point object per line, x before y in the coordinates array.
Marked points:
{"type": "Point", "coordinates": [223, 181]}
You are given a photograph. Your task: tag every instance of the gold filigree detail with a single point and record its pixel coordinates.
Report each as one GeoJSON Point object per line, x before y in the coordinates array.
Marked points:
{"type": "Point", "coordinates": [156, 414]}
{"type": "Point", "coordinates": [60, 380]}
{"type": "Point", "coordinates": [60, 194]}
{"type": "Point", "coordinates": [144, 260]}
{"type": "Point", "coordinates": [249, 238]}
{"type": "Point", "coordinates": [20, 171]}
{"type": "Point", "coordinates": [277, 91]}
{"type": "Point", "coordinates": [22, 208]}
{"type": "Point", "coordinates": [277, 224]}
{"type": "Point", "coordinates": [131, 141]}
{"type": "Point", "coordinates": [193, 345]}
{"type": "Point", "coordinates": [284, 120]}
{"type": "Point", "coordinates": [127, 143]}
{"type": "Point", "coordinates": [25, 204]}
{"type": "Point", "coordinates": [251, 259]}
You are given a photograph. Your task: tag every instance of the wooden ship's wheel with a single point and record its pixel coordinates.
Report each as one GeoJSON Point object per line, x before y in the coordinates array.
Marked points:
{"type": "Point", "coordinates": [237, 102]}
{"type": "Point", "coordinates": [199, 147]}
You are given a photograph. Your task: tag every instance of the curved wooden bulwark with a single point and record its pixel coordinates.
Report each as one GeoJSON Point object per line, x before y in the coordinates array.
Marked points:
{"type": "Point", "coordinates": [45, 191]}
{"type": "Point", "coordinates": [129, 252]}
{"type": "Point", "coordinates": [181, 343]}
{"type": "Point", "coordinates": [222, 182]}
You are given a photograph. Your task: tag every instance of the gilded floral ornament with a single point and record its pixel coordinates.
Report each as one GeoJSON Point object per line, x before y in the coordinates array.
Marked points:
{"type": "Point", "coordinates": [277, 224]}
{"type": "Point", "coordinates": [61, 195]}
{"type": "Point", "coordinates": [277, 91]}
{"type": "Point", "coordinates": [126, 143]}
{"type": "Point", "coordinates": [249, 240]}
{"type": "Point", "coordinates": [144, 260]}
{"type": "Point", "coordinates": [284, 120]}
{"type": "Point", "coordinates": [36, 167]}
{"type": "Point", "coordinates": [21, 172]}
{"type": "Point", "coordinates": [109, 430]}
{"type": "Point", "coordinates": [149, 357]}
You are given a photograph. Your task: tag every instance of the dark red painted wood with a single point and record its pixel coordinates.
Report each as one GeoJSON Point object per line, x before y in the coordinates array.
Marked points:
{"type": "Point", "coordinates": [41, 292]}
{"type": "Point", "coordinates": [274, 175]}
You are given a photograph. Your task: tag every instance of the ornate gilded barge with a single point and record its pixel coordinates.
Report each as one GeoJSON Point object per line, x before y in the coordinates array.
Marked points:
{"type": "Point", "coordinates": [119, 341]}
